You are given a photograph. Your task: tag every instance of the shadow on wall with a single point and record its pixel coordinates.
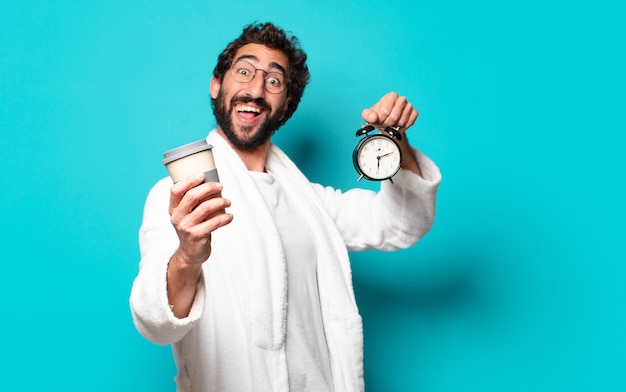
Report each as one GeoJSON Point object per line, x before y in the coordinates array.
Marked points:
{"type": "Point", "coordinates": [319, 155]}
{"type": "Point", "coordinates": [405, 318]}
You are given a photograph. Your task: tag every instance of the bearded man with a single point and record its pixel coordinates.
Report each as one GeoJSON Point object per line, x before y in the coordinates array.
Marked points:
{"type": "Point", "coordinates": [249, 279]}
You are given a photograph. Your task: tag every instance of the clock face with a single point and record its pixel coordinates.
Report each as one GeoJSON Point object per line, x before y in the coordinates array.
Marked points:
{"type": "Point", "coordinates": [377, 157]}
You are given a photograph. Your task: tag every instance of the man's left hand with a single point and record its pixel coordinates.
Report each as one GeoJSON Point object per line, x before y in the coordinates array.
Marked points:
{"type": "Point", "coordinates": [395, 111]}
{"type": "Point", "coordinates": [392, 110]}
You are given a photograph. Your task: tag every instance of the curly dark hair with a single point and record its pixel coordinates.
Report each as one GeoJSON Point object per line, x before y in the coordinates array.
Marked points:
{"type": "Point", "coordinates": [275, 38]}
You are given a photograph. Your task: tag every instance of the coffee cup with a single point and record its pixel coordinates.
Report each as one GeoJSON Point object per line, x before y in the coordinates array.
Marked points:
{"type": "Point", "coordinates": [190, 159]}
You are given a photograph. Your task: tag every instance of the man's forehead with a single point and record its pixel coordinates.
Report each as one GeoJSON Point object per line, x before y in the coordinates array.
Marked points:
{"type": "Point", "coordinates": [263, 56]}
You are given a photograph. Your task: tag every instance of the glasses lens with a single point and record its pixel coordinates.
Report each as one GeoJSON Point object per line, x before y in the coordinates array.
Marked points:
{"type": "Point", "coordinates": [244, 72]}
{"type": "Point", "coordinates": [274, 82]}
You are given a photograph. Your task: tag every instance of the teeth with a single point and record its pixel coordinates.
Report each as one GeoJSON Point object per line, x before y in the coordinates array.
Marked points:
{"type": "Point", "coordinates": [242, 108]}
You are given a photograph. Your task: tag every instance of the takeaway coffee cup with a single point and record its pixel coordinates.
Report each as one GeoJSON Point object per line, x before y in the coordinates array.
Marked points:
{"type": "Point", "coordinates": [190, 159]}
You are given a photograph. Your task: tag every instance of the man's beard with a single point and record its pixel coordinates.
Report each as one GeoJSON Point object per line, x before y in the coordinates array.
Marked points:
{"type": "Point", "coordinates": [248, 140]}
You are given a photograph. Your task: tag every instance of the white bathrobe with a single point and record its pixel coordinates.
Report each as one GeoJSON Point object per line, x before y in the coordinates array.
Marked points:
{"type": "Point", "coordinates": [234, 336]}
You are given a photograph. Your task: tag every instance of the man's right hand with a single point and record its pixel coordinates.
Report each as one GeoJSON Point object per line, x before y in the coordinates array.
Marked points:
{"type": "Point", "coordinates": [196, 210]}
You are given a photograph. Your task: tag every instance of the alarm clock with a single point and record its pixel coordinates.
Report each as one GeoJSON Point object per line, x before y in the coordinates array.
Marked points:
{"type": "Point", "coordinates": [377, 156]}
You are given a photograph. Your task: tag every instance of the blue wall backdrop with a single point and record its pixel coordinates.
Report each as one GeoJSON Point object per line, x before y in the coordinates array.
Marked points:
{"type": "Point", "coordinates": [518, 287]}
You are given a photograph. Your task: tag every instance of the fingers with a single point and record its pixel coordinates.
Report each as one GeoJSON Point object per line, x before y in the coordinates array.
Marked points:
{"type": "Point", "coordinates": [184, 218]}
{"type": "Point", "coordinates": [197, 209]}
{"type": "Point", "coordinates": [370, 116]}
{"type": "Point", "coordinates": [180, 188]}
{"type": "Point", "coordinates": [391, 110]}
{"type": "Point", "coordinates": [197, 203]}
{"type": "Point", "coordinates": [193, 202]}
{"type": "Point", "coordinates": [192, 231]}
{"type": "Point", "coordinates": [408, 117]}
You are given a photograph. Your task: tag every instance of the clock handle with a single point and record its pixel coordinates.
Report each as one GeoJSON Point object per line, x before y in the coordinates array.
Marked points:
{"type": "Point", "coordinates": [364, 130]}
{"type": "Point", "coordinates": [392, 131]}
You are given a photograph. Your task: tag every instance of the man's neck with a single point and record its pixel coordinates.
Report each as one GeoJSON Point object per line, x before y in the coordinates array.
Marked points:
{"type": "Point", "coordinates": [253, 160]}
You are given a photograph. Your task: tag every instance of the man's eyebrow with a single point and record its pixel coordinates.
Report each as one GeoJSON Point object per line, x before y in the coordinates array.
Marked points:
{"type": "Point", "coordinates": [255, 58]}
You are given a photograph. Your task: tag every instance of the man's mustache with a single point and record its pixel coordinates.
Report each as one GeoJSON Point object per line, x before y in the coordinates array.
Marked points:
{"type": "Point", "coordinates": [260, 102]}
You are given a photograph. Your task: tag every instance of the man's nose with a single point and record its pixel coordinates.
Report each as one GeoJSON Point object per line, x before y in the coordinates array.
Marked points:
{"type": "Point", "coordinates": [256, 87]}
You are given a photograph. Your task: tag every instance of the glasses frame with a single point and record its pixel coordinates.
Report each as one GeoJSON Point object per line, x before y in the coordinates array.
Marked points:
{"type": "Point", "coordinates": [238, 77]}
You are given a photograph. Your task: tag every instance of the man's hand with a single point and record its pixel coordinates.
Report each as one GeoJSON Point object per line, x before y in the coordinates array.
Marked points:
{"type": "Point", "coordinates": [196, 210]}
{"type": "Point", "coordinates": [393, 110]}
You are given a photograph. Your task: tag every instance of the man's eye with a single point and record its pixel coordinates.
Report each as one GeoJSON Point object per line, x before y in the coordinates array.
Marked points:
{"type": "Point", "coordinates": [274, 81]}
{"type": "Point", "coordinates": [244, 71]}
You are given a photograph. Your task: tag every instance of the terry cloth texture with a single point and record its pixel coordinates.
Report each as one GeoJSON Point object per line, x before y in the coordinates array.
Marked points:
{"type": "Point", "coordinates": [234, 336]}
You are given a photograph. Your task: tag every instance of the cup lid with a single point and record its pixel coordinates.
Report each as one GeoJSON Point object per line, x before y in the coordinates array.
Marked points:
{"type": "Point", "coordinates": [187, 149]}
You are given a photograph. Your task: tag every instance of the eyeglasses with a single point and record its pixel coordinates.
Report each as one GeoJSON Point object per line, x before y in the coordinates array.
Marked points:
{"type": "Point", "coordinates": [244, 72]}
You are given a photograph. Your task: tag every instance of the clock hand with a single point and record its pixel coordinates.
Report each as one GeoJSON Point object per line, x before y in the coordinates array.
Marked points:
{"type": "Point", "coordinates": [384, 155]}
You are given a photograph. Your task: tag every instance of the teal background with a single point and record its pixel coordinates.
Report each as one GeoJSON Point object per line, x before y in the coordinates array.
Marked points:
{"type": "Point", "coordinates": [518, 287]}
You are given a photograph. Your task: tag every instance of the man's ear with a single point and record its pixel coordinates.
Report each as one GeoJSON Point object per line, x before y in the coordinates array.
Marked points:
{"type": "Point", "coordinates": [214, 88]}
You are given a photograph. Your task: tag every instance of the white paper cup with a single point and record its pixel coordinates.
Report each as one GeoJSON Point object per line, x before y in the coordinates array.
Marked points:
{"type": "Point", "coordinates": [190, 159]}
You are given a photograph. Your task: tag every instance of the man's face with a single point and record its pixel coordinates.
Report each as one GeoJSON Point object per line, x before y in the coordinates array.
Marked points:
{"type": "Point", "coordinates": [246, 112]}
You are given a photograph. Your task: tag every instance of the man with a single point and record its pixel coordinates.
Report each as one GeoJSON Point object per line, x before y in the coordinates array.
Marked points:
{"type": "Point", "coordinates": [260, 298]}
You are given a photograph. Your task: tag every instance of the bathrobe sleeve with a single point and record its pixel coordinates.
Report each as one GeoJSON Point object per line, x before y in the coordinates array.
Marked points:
{"type": "Point", "coordinates": [396, 217]}
{"type": "Point", "coordinates": [149, 305]}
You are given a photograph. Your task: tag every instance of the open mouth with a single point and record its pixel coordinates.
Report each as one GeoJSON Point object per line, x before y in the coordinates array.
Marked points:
{"type": "Point", "coordinates": [248, 111]}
